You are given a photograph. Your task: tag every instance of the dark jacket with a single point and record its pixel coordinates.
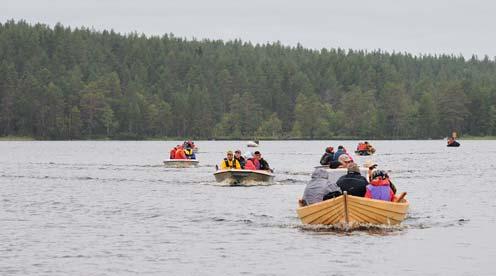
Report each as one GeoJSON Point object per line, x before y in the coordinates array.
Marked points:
{"type": "Point", "coordinates": [327, 158]}
{"type": "Point", "coordinates": [320, 188]}
{"type": "Point", "coordinates": [334, 164]}
{"type": "Point", "coordinates": [353, 183]}
{"type": "Point", "coordinates": [241, 161]}
{"type": "Point", "coordinates": [264, 165]}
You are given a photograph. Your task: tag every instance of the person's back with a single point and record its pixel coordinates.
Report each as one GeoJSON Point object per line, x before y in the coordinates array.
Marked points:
{"type": "Point", "coordinates": [353, 182]}
{"type": "Point", "coordinates": [180, 154]}
{"type": "Point", "coordinates": [339, 152]}
{"type": "Point", "coordinates": [190, 154]}
{"type": "Point", "coordinates": [328, 156]}
{"type": "Point", "coordinates": [379, 189]}
{"type": "Point", "coordinates": [320, 188]}
{"type": "Point", "coordinates": [172, 154]}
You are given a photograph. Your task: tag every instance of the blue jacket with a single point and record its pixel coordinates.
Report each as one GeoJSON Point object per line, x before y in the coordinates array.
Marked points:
{"type": "Point", "coordinates": [338, 153]}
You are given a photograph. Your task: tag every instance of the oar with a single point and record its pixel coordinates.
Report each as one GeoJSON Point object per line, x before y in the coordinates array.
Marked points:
{"type": "Point", "coordinates": [402, 195]}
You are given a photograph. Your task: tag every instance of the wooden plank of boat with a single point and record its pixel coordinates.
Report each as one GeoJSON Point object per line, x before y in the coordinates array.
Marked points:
{"type": "Point", "coordinates": [241, 177]}
{"type": "Point", "coordinates": [181, 163]}
{"type": "Point", "coordinates": [352, 211]}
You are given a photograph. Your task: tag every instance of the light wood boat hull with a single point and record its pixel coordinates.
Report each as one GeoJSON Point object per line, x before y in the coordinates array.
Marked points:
{"type": "Point", "coordinates": [242, 177]}
{"type": "Point", "coordinates": [181, 163]}
{"type": "Point", "coordinates": [351, 211]}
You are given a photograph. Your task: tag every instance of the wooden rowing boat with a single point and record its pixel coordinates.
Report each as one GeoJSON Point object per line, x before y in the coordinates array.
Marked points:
{"type": "Point", "coordinates": [181, 163]}
{"type": "Point", "coordinates": [351, 211]}
{"type": "Point", "coordinates": [243, 177]}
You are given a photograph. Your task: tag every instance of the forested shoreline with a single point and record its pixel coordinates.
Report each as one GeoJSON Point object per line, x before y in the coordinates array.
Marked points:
{"type": "Point", "coordinates": [77, 83]}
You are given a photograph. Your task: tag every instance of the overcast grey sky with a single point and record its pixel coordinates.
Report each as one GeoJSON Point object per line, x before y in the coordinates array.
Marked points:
{"type": "Point", "coordinates": [416, 26]}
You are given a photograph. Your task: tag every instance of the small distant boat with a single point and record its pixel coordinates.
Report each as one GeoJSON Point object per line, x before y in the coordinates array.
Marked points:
{"type": "Point", "coordinates": [241, 177]}
{"type": "Point", "coordinates": [253, 144]}
{"type": "Point", "coordinates": [351, 211]}
{"type": "Point", "coordinates": [364, 152]}
{"type": "Point", "coordinates": [181, 163]}
{"type": "Point", "coordinates": [453, 144]}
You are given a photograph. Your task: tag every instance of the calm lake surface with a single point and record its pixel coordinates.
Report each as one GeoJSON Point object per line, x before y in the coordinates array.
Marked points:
{"type": "Point", "coordinates": [111, 208]}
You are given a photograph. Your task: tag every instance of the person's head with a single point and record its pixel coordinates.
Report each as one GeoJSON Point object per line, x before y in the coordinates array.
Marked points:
{"type": "Point", "coordinates": [352, 167]}
{"type": "Point", "coordinates": [329, 149]}
{"type": "Point", "coordinates": [345, 160]}
{"type": "Point", "coordinates": [366, 143]}
{"type": "Point", "coordinates": [320, 173]}
{"type": "Point", "coordinates": [340, 147]}
{"type": "Point", "coordinates": [230, 155]}
{"type": "Point", "coordinates": [257, 155]}
{"type": "Point", "coordinates": [237, 153]}
{"type": "Point", "coordinates": [380, 174]}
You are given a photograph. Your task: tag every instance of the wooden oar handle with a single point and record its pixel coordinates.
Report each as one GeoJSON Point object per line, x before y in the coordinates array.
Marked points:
{"type": "Point", "coordinates": [402, 195]}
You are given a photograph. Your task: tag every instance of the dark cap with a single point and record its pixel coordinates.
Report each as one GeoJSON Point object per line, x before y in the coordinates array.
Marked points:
{"type": "Point", "coordinates": [257, 152]}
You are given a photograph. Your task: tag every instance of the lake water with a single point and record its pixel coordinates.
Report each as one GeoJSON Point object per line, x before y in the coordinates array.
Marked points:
{"type": "Point", "coordinates": [111, 208]}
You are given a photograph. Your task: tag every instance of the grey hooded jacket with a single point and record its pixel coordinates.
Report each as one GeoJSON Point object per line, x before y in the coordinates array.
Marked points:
{"type": "Point", "coordinates": [319, 186]}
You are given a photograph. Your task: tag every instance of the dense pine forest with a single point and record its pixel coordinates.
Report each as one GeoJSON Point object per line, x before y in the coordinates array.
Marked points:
{"type": "Point", "coordinates": [63, 83]}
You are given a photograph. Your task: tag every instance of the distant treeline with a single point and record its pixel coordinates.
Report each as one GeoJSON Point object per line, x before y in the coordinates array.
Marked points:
{"type": "Point", "coordinates": [63, 83]}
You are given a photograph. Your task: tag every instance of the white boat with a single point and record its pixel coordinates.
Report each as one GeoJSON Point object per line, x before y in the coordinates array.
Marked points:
{"type": "Point", "coordinates": [181, 163]}
{"type": "Point", "coordinates": [243, 177]}
{"type": "Point", "coordinates": [252, 144]}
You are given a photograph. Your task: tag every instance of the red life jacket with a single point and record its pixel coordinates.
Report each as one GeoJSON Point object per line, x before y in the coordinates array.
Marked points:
{"type": "Point", "coordinates": [180, 154]}
{"type": "Point", "coordinates": [362, 147]}
{"type": "Point", "coordinates": [172, 154]}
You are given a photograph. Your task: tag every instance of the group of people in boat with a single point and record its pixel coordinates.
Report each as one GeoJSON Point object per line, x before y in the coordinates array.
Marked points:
{"type": "Point", "coordinates": [365, 148]}
{"type": "Point", "coordinates": [184, 151]}
{"type": "Point", "coordinates": [321, 187]}
{"type": "Point", "coordinates": [332, 159]}
{"type": "Point", "coordinates": [248, 161]}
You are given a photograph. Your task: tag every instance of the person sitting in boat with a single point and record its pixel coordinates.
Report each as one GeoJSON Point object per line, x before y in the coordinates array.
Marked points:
{"type": "Point", "coordinates": [362, 147]}
{"type": "Point", "coordinates": [320, 188]}
{"type": "Point", "coordinates": [380, 187]}
{"type": "Point", "coordinates": [328, 156]}
{"type": "Point", "coordinates": [180, 154]}
{"type": "Point", "coordinates": [343, 161]}
{"type": "Point", "coordinates": [372, 172]}
{"type": "Point", "coordinates": [250, 161]}
{"type": "Point", "coordinates": [353, 182]}
{"type": "Point", "coordinates": [230, 162]}
{"type": "Point", "coordinates": [370, 148]}
{"type": "Point", "coordinates": [172, 153]}
{"type": "Point", "coordinates": [452, 142]}
{"type": "Point", "coordinates": [240, 158]}
{"type": "Point", "coordinates": [260, 163]}
{"type": "Point", "coordinates": [190, 154]}
{"type": "Point", "coordinates": [341, 150]}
